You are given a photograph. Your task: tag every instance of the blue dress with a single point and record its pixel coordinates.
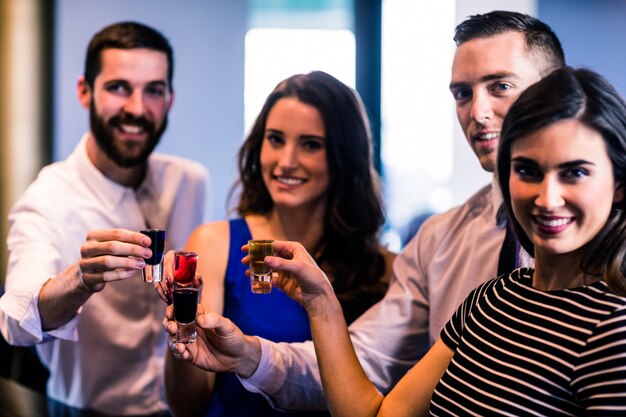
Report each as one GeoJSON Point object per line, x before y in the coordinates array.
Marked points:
{"type": "Point", "coordinates": [273, 316]}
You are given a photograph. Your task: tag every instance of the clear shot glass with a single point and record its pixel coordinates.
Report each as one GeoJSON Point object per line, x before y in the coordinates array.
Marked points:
{"type": "Point", "coordinates": [185, 310]}
{"type": "Point", "coordinates": [153, 271]}
{"type": "Point", "coordinates": [260, 273]}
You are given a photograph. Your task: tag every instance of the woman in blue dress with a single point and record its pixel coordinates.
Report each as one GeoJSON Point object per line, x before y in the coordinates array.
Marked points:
{"type": "Point", "coordinates": [306, 174]}
{"type": "Point", "coordinates": [550, 340]}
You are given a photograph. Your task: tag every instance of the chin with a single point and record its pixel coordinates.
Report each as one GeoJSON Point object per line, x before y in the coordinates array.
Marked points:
{"type": "Point", "coordinates": [489, 167]}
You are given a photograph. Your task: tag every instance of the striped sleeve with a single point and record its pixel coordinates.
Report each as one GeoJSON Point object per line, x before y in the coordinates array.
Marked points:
{"type": "Point", "coordinates": [599, 379]}
{"type": "Point", "coordinates": [453, 330]}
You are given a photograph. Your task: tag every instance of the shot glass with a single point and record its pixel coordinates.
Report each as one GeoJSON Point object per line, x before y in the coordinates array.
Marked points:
{"type": "Point", "coordinates": [153, 271]}
{"type": "Point", "coordinates": [185, 309]}
{"type": "Point", "coordinates": [260, 273]}
{"type": "Point", "coordinates": [185, 267]}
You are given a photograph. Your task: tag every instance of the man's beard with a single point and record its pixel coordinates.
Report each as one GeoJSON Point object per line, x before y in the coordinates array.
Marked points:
{"type": "Point", "coordinates": [124, 156]}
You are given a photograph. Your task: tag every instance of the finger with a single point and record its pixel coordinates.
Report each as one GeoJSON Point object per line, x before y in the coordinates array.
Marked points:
{"type": "Point", "coordinates": [246, 260]}
{"type": "Point", "coordinates": [183, 350]}
{"type": "Point", "coordinates": [119, 235]}
{"type": "Point", "coordinates": [213, 321]}
{"type": "Point", "coordinates": [168, 265]}
{"type": "Point", "coordinates": [197, 281]}
{"type": "Point", "coordinates": [110, 263]}
{"type": "Point", "coordinates": [169, 312]}
{"type": "Point", "coordinates": [287, 249]}
{"type": "Point", "coordinates": [93, 248]}
{"type": "Point", "coordinates": [281, 264]}
{"type": "Point", "coordinates": [170, 327]}
{"type": "Point", "coordinates": [164, 293]}
{"type": "Point", "coordinates": [94, 278]}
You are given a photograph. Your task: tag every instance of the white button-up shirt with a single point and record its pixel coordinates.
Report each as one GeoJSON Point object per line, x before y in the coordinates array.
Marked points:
{"type": "Point", "coordinates": [109, 357]}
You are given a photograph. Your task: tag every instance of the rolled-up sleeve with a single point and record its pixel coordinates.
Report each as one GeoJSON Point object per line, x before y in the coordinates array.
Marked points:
{"type": "Point", "coordinates": [33, 260]}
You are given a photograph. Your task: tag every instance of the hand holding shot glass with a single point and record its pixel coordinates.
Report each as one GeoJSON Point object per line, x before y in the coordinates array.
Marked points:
{"type": "Point", "coordinates": [153, 271]}
{"type": "Point", "coordinates": [260, 273]}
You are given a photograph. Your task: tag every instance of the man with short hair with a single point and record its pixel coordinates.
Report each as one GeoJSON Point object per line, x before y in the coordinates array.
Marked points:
{"type": "Point", "coordinates": [74, 287]}
{"type": "Point", "coordinates": [499, 55]}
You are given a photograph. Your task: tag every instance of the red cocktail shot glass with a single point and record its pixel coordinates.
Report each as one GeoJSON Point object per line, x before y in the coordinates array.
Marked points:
{"type": "Point", "coordinates": [185, 267]}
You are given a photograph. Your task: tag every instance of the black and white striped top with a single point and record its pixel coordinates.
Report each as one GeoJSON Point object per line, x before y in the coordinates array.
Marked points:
{"type": "Point", "coordinates": [524, 352]}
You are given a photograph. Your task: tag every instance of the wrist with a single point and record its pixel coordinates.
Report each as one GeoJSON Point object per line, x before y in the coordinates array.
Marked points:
{"type": "Point", "coordinates": [250, 359]}
{"type": "Point", "coordinates": [324, 304]}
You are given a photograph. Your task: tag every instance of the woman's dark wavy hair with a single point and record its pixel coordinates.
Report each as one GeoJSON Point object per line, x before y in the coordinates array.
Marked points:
{"type": "Point", "coordinates": [585, 96]}
{"type": "Point", "coordinates": [349, 247]}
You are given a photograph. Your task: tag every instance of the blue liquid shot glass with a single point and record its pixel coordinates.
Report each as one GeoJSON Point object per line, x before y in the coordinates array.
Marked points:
{"type": "Point", "coordinates": [153, 271]}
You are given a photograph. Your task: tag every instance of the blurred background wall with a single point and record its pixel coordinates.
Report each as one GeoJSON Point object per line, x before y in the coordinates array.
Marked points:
{"type": "Point", "coordinates": [230, 54]}
{"type": "Point", "coordinates": [26, 85]}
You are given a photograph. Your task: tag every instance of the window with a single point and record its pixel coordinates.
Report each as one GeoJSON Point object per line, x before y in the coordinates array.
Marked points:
{"type": "Point", "coordinates": [292, 37]}
{"type": "Point", "coordinates": [417, 110]}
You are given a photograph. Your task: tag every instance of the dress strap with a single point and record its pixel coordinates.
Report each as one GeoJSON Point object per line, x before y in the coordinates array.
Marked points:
{"type": "Point", "coordinates": [239, 236]}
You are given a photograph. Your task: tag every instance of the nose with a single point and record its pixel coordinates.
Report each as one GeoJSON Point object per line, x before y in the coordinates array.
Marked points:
{"type": "Point", "coordinates": [288, 156]}
{"type": "Point", "coordinates": [134, 104]}
{"type": "Point", "coordinates": [481, 107]}
{"type": "Point", "coordinates": [550, 194]}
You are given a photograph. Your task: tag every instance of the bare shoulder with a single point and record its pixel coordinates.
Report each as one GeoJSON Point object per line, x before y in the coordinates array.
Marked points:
{"type": "Point", "coordinates": [211, 241]}
{"type": "Point", "coordinates": [209, 234]}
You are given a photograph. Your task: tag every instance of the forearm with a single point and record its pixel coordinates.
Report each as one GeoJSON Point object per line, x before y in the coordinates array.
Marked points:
{"type": "Point", "coordinates": [61, 297]}
{"type": "Point", "coordinates": [348, 390]}
{"type": "Point", "coordinates": [188, 389]}
{"type": "Point", "coordinates": [288, 377]}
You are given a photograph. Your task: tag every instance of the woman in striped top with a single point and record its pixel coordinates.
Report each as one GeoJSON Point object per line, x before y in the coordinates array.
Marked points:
{"type": "Point", "coordinates": [544, 341]}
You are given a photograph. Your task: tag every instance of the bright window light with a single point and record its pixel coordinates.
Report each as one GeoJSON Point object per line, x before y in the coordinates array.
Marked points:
{"type": "Point", "coordinates": [417, 108]}
{"type": "Point", "coordinates": [275, 54]}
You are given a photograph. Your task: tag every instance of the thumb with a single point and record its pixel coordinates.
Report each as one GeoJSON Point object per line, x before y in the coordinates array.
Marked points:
{"type": "Point", "coordinates": [281, 264]}
{"type": "Point", "coordinates": [213, 321]}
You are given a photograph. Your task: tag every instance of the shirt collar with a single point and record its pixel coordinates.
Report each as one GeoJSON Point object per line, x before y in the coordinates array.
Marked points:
{"type": "Point", "coordinates": [498, 203]}
{"type": "Point", "coordinates": [108, 192]}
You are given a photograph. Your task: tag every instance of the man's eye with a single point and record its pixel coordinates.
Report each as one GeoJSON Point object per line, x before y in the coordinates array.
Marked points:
{"type": "Point", "coordinates": [502, 87]}
{"type": "Point", "coordinates": [461, 94]}
{"type": "Point", "coordinates": [156, 91]}
{"type": "Point", "coordinates": [118, 88]}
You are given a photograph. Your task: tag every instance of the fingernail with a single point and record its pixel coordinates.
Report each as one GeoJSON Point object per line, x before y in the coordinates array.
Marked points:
{"type": "Point", "coordinates": [140, 263]}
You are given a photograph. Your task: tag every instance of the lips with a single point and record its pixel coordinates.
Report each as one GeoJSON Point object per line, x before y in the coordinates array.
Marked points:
{"type": "Point", "coordinates": [132, 126]}
{"type": "Point", "coordinates": [132, 129]}
{"type": "Point", "coordinates": [485, 136]}
{"type": "Point", "coordinates": [289, 181]}
{"type": "Point", "coordinates": [552, 224]}
{"type": "Point", "coordinates": [486, 141]}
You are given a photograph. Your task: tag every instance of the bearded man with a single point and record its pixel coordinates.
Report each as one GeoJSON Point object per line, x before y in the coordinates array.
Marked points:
{"type": "Point", "coordinates": [73, 285]}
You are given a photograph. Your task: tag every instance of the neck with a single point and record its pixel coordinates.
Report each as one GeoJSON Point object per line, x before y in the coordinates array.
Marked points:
{"type": "Point", "coordinates": [304, 225]}
{"type": "Point", "coordinates": [128, 177]}
{"type": "Point", "coordinates": [559, 272]}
